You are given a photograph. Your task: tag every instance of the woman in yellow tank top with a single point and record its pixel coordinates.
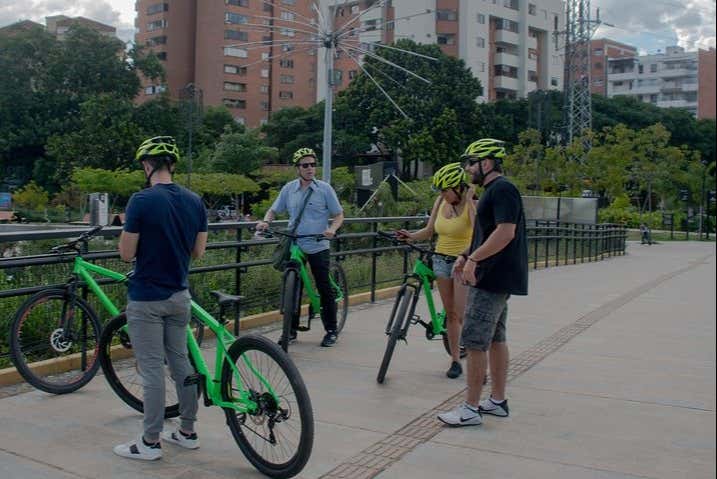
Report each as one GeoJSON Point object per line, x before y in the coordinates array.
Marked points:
{"type": "Point", "coordinates": [452, 219]}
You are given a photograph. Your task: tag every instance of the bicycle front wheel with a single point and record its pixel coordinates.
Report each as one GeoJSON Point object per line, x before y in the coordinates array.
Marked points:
{"type": "Point", "coordinates": [54, 345]}
{"type": "Point", "coordinates": [398, 325]}
{"type": "Point", "coordinates": [290, 305]}
{"type": "Point", "coordinates": [342, 295]}
{"type": "Point", "coordinates": [277, 437]}
{"type": "Point", "coordinates": [122, 371]}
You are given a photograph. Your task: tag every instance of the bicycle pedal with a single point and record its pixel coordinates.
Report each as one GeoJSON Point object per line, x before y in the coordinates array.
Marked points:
{"type": "Point", "coordinates": [193, 379]}
{"type": "Point", "coordinates": [303, 328]}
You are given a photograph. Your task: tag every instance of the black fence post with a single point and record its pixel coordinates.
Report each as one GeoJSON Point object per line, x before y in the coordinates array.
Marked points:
{"type": "Point", "coordinates": [374, 255]}
{"type": "Point", "coordinates": [535, 245]}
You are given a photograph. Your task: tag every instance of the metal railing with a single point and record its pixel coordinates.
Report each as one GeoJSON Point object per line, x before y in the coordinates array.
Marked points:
{"type": "Point", "coordinates": [237, 262]}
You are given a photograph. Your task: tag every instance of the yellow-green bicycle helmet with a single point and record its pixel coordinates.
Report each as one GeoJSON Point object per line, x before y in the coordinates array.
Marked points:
{"type": "Point", "coordinates": [484, 148]}
{"type": "Point", "coordinates": [449, 176]}
{"type": "Point", "coordinates": [158, 146]}
{"type": "Point", "coordinates": [302, 152]}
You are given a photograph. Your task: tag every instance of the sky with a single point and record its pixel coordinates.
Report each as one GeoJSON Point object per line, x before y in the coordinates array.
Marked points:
{"type": "Point", "coordinates": [650, 25]}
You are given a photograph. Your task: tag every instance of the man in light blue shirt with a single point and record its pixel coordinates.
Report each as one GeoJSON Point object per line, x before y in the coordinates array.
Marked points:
{"type": "Point", "coordinates": [322, 205]}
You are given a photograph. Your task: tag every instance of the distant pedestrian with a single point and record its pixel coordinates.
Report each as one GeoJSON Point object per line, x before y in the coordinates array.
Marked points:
{"type": "Point", "coordinates": [645, 234]}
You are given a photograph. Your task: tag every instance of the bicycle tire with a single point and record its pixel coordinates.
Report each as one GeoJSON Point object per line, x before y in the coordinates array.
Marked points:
{"type": "Point", "coordinates": [35, 338]}
{"type": "Point", "coordinates": [120, 369]}
{"type": "Point", "coordinates": [404, 298]}
{"type": "Point", "coordinates": [342, 307]}
{"type": "Point", "coordinates": [256, 349]}
{"type": "Point", "coordinates": [288, 306]}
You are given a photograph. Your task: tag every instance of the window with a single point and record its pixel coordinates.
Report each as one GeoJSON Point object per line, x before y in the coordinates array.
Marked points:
{"type": "Point", "coordinates": [234, 70]}
{"type": "Point", "coordinates": [286, 63]}
{"type": "Point", "coordinates": [289, 16]}
{"type": "Point", "coordinates": [481, 18]}
{"type": "Point", "coordinates": [653, 67]}
{"type": "Point", "coordinates": [597, 65]}
{"type": "Point", "coordinates": [263, 121]}
{"type": "Point", "coordinates": [157, 8]}
{"type": "Point", "coordinates": [533, 76]}
{"type": "Point", "coordinates": [532, 54]}
{"type": "Point", "coordinates": [264, 105]}
{"type": "Point", "coordinates": [154, 89]}
{"type": "Point", "coordinates": [286, 95]}
{"type": "Point", "coordinates": [288, 2]}
{"type": "Point", "coordinates": [234, 103]}
{"type": "Point", "coordinates": [446, 39]}
{"type": "Point", "coordinates": [598, 82]}
{"type": "Point", "coordinates": [531, 9]}
{"type": "Point", "coordinates": [162, 56]}
{"type": "Point", "coordinates": [505, 24]}
{"type": "Point", "coordinates": [653, 98]}
{"type": "Point", "coordinates": [598, 52]}
{"type": "Point", "coordinates": [265, 56]}
{"type": "Point", "coordinates": [447, 15]}
{"type": "Point", "coordinates": [480, 42]}
{"type": "Point", "coordinates": [481, 66]}
{"type": "Point", "coordinates": [235, 52]}
{"type": "Point", "coordinates": [236, 35]}
{"type": "Point", "coordinates": [235, 18]}
{"type": "Point", "coordinates": [506, 71]}
{"type": "Point", "coordinates": [240, 120]}
{"type": "Point", "coordinates": [354, 9]}
{"type": "Point", "coordinates": [264, 73]}
{"type": "Point", "coordinates": [338, 77]}
{"type": "Point", "coordinates": [238, 3]}
{"type": "Point", "coordinates": [263, 88]}
{"type": "Point", "coordinates": [353, 74]}
{"type": "Point", "coordinates": [160, 40]}
{"type": "Point", "coordinates": [553, 81]}
{"type": "Point", "coordinates": [286, 79]}
{"type": "Point", "coordinates": [287, 47]}
{"type": "Point", "coordinates": [289, 32]}
{"type": "Point", "coordinates": [512, 4]}
{"type": "Point", "coordinates": [231, 86]}
{"type": "Point", "coordinates": [641, 69]}
{"type": "Point", "coordinates": [156, 25]}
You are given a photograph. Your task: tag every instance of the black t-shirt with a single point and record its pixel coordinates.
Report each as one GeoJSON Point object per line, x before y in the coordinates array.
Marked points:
{"type": "Point", "coordinates": [507, 270]}
{"type": "Point", "coordinates": [168, 218]}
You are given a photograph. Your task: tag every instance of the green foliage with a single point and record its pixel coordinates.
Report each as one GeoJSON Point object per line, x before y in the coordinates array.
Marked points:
{"type": "Point", "coordinates": [292, 128]}
{"type": "Point", "coordinates": [31, 196]}
{"type": "Point", "coordinates": [241, 152]}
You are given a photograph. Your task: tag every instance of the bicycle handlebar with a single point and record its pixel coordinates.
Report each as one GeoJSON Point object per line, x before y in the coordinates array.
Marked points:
{"type": "Point", "coordinates": [268, 233]}
{"type": "Point", "coordinates": [72, 244]}
{"type": "Point", "coordinates": [424, 251]}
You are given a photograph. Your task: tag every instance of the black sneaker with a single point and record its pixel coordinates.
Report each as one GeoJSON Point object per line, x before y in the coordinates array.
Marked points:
{"type": "Point", "coordinates": [455, 370]}
{"type": "Point", "coordinates": [329, 339]}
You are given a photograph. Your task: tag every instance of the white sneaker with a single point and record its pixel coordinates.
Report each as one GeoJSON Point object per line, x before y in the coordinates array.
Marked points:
{"type": "Point", "coordinates": [463, 415]}
{"type": "Point", "coordinates": [178, 438]}
{"type": "Point", "coordinates": [489, 406]}
{"type": "Point", "coordinates": [137, 449]}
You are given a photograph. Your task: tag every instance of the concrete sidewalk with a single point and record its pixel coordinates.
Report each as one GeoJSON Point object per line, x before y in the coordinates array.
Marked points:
{"type": "Point", "coordinates": [613, 375]}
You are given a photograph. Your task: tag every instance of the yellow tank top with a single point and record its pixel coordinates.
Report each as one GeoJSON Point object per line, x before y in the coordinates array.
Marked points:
{"type": "Point", "coordinates": [454, 234]}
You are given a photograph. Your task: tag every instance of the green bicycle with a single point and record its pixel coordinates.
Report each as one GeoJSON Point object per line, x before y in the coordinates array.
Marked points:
{"type": "Point", "coordinates": [402, 315]}
{"type": "Point", "coordinates": [54, 334]}
{"type": "Point", "coordinates": [295, 281]}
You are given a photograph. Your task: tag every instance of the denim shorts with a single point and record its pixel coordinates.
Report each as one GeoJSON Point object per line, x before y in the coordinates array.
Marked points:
{"type": "Point", "coordinates": [443, 267]}
{"type": "Point", "coordinates": [484, 319]}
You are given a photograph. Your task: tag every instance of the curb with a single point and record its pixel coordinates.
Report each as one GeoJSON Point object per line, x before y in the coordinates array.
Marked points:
{"type": "Point", "coordinates": [10, 376]}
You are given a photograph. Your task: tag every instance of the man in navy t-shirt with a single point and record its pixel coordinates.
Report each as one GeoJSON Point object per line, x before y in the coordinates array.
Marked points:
{"type": "Point", "coordinates": [165, 227]}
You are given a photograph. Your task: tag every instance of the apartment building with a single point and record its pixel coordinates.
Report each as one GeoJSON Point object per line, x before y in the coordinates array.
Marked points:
{"type": "Point", "coordinates": [602, 50]}
{"type": "Point", "coordinates": [706, 71]}
{"type": "Point", "coordinates": [245, 54]}
{"type": "Point", "coordinates": [510, 45]}
{"type": "Point", "coordinates": [58, 25]}
{"type": "Point", "coordinates": [669, 79]}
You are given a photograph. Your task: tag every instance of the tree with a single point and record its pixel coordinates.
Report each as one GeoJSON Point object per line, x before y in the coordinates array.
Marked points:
{"type": "Point", "coordinates": [31, 197]}
{"type": "Point", "coordinates": [292, 128]}
{"type": "Point", "coordinates": [241, 153]}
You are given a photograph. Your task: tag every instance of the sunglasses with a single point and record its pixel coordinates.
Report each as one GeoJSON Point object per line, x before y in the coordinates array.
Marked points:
{"type": "Point", "coordinates": [308, 165]}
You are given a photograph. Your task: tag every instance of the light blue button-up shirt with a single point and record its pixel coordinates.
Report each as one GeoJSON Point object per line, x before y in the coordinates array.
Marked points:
{"type": "Point", "coordinates": [322, 205]}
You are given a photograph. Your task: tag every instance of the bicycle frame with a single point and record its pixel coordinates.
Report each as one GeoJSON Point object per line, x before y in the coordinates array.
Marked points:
{"type": "Point", "coordinates": [425, 276]}
{"type": "Point", "coordinates": [212, 383]}
{"type": "Point", "coordinates": [299, 257]}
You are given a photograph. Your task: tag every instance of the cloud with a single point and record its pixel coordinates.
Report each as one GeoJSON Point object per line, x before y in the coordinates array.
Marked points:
{"type": "Point", "coordinates": [691, 22]}
{"type": "Point", "coordinates": [108, 12]}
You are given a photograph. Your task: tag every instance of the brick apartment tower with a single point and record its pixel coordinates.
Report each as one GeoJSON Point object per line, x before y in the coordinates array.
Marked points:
{"type": "Point", "coordinates": [197, 43]}
{"type": "Point", "coordinates": [706, 84]}
{"type": "Point", "coordinates": [604, 49]}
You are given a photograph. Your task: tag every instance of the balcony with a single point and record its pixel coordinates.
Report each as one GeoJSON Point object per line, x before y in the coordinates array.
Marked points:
{"type": "Point", "coordinates": [676, 103]}
{"type": "Point", "coordinates": [506, 83]}
{"type": "Point", "coordinates": [507, 59]}
{"type": "Point", "coordinates": [532, 42]}
{"type": "Point", "coordinates": [677, 72]}
{"type": "Point", "coordinates": [622, 76]}
{"type": "Point", "coordinates": [506, 36]}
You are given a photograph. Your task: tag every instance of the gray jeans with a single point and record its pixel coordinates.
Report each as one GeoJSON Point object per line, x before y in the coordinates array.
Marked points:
{"type": "Point", "coordinates": [158, 330]}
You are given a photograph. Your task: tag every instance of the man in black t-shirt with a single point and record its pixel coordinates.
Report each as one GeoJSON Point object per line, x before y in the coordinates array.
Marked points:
{"type": "Point", "coordinates": [496, 265]}
{"type": "Point", "coordinates": [165, 226]}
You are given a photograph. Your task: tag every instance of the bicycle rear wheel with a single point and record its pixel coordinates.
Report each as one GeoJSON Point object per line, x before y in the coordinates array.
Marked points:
{"type": "Point", "coordinates": [398, 324]}
{"type": "Point", "coordinates": [122, 371]}
{"type": "Point", "coordinates": [278, 437]}
{"type": "Point", "coordinates": [53, 354]}
{"type": "Point", "coordinates": [342, 305]}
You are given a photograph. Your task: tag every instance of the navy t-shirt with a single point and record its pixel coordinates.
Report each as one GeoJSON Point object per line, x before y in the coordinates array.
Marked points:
{"type": "Point", "coordinates": [168, 218]}
{"type": "Point", "coordinates": [507, 270]}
